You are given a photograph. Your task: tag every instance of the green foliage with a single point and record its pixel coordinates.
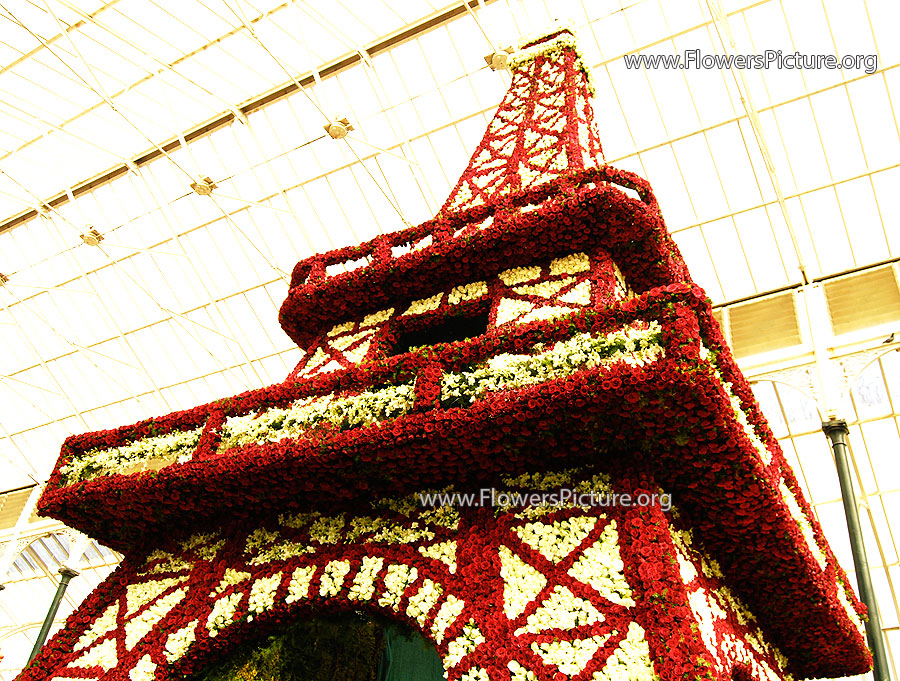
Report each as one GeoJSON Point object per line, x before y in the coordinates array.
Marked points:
{"type": "Point", "coordinates": [339, 648]}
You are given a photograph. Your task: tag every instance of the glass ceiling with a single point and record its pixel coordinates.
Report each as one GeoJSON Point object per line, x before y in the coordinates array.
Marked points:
{"type": "Point", "coordinates": [110, 111]}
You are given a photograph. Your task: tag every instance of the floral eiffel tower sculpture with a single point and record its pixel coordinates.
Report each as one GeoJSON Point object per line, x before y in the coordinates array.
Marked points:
{"type": "Point", "coordinates": [516, 428]}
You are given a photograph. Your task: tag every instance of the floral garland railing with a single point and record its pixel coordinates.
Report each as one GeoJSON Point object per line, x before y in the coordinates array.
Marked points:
{"type": "Point", "coordinates": [458, 248]}
{"type": "Point", "coordinates": [396, 245]}
{"type": "Point", "coordinates": [637, 343]}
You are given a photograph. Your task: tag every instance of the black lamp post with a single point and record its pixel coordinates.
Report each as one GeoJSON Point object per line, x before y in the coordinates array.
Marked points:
{"type": "Point", "coordinates": [837, 433]}
{"type": "Point", "coordinates": [66, 576]}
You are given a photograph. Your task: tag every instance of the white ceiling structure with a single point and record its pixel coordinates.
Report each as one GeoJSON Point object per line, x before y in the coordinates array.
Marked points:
{"type": "Point", "coordinates": [780, 186]}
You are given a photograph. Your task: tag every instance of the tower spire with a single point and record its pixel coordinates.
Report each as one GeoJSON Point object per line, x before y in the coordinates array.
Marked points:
{"type": "Point", "coordinates": [543, 128]}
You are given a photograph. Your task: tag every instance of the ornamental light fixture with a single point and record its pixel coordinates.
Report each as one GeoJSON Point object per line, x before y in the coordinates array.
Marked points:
{"type": "Point", "coordinates": [204, 187]}
{"type": "Point", "coordinates": [338, 128]}
{"type": "Point", "coordinates": [499, 60]}
{"type": "Point", "coordinates": [92, 237]}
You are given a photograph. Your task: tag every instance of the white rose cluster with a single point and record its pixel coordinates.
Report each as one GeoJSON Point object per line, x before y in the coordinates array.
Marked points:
{"type": "Point", "coordinates": [230, 578]}
{"type": "Point", "coordinates": [549, 48]}
{"type": "Point", "coordinates": [570, 657]}
{"type": "Point", "coordinates": [262, 594]}
{"type": "Point", "coordinates": [421, 603]}
{"type": "Point", "coordinates": [631, 660]}
{"type": "Point", "coordinates": [377, 318]}
{"type": "Point", "coordinates": [570, 264]}
{"type": "Point", "coordinates": [519, 275]}
{"type": "Point", "coordinates": [470, 638]}
{"type": "Point", "coordinates": [512, 308]}
{"type": "Point", "coordinates": [544, 289]}
{"type": "Point", "coordinates": [299, 585]}
{"type": "Point", "coordinates": [446, 615]}
{"type": "Point", "coordinates": [222, 614]}
{"type": "Point", "coordinates": [602, 567]}
{"type": "Point", "coordinates": [803, 522]}
{"type": "Point", "coordinates": [103, 624]}
{"type": "Point", "coordinates": [563, 610]}
{"type": "Point", "coordinates": [476, 289]}
{"type": "Point", "coordinates": [370, 406]}
{"type": "Point", "coordinates": [475, 674]}
{"type": "Point", "coordinates": [506, 371]}
{"type": "Point", "coordinates": [424, 305]}
{"type": "Point", "coordinates": [396, 579]}
{"type": "Point", "coordinates": [521, 583]}
{"type": "Point", "coordinates": [179, 642]}
{"type": "Point", "coordinates": [363, 586]}
{"type": "Point", "coordinates": [333, 577]}
{"type": "Point", "coordinates": [176, 446]}
{"type": "Point", "coordinates": [144, 670]}
{"type": "Point", "coordinates": [102, 655]}
{"type": "Point", "coordinates": [444, 552]}
{"type": "Point", "coordinates": [141, 625]}
{"type": "Point", "coordinates": [557, 540]}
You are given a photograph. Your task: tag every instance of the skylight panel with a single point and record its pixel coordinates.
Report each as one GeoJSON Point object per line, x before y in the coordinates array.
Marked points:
{"type": "Point", "coordinates": [870, 394]}
{"type": "Point", "coordinates": [350, 187]}
{"type": "Point", "coordinates": [828, 230]}
{"type": "Point", "coordinates": [441, 56]}
{"type": "Point", "coordinates": [18, 414]}
{"type": "Point", "coordinates": [277, 129]}
{"type": "Point", "coordinates": [310, 223]}
{"type": "Point", "coordinates": [210, 20]}
{"type": "Point", "coordinates": [679, 17]}
{"type": "Point", "coordinates": [343, 22]}
{"type": "Point", "coordinates": [34, 16]}
{"type": "Point", "coordinates": [811, 33]}
{"type": "Point", "coordinates": [413, 68]}
{"type": "Point", "coordinates": [114, 64]}
{"type": "Point", "coordinates": [389, 79]}
{"type": "Point", "coordinates": [761, 249]}
{"type": "Point", "coordinates": [696, 255]}
{"type": "Point", "coordinates": [864, 226]}
{"type": "Point", "coordinates": [701, 177]}
{"type": "Point", "coordinates": [274, 368]}
{"type": "Point", "coordinates": [881, 439]}
{"type": "Point", "coordinates": [256, 253]}
{"type": "Point", "coordinates": [818, 470]}
{"type": "Point", "coordinates": [499, 23]}
{"type": "Point", "coordinates": [144, 24]}
{"type": "Point", "coordinates": [645, 21]}
{"type": "Point", "coordinates": [726, 251]}
{"type": "Point", "coordinates": [876, 126]}
{"type": "Point", "coordinates": [468, 40]}
{"type": "Point", "coordinates": [613, 35]}
{"type": "Point", "coordinates": [765, 394]}
{"type": "Point", "coordinates": [733, 167]}
{"type": "Point", "coordinates": [243, 309]}
{"type": "Point", "coordinates": [262, 66]}
{"type": "Point", "coordinates": [796, 131]}
{"type": "Point", "coordinates": [54, 82]}
{"type": "Point", "coordinates": [489, 89]}
{"type": "Point", "coordinates": [837, 127]}
{"type": "Point", "coordinates": [666, 177]}
{"type": "Point", "coordinates": [851, 31]}
{"type": "Point", "coordinates": [678, 109]}
{"type": "Point", "coordinates": [885, 184]}
{"type": "Point", "coordinates": [768, 20]}
{"type": "Point", "coordinates": [641, 110]}
{"type": "Point", "coordinates": [614, 132]}
{"type": "Point", "coordinates": [884, 16]}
